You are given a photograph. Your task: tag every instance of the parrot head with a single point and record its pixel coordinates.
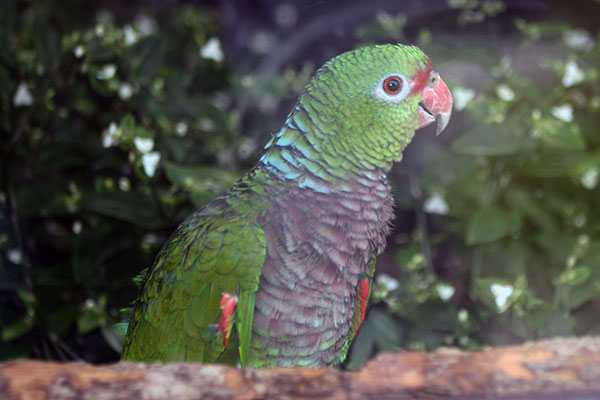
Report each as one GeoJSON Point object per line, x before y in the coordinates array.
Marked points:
{"type": "Point", "coordinates": [367, 103]}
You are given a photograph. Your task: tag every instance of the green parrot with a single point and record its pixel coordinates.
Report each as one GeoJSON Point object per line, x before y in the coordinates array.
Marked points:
{"type": "Point", "coordinates": [277, 270]}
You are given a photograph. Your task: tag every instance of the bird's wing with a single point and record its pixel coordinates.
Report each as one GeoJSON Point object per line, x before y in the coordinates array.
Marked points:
{"type": "Point", "coordinates": [184, 312]}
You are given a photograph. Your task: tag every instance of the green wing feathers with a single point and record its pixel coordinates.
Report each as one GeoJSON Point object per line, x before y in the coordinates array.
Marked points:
{"type": "Point", "coordinates": [176, 316]}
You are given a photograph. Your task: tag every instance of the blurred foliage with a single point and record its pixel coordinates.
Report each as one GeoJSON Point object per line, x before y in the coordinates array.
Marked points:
{"type": "Point", "coordinates": [117, 122]}
{"type": "Point", "coordinates": [99, 121]}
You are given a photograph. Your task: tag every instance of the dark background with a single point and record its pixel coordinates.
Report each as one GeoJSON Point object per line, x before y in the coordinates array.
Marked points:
{"type": "Point", "coordinates": [496, 238]}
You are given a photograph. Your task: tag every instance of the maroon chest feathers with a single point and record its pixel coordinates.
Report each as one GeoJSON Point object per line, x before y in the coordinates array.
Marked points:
{"type": "Point", "coordinates": [318, 250]}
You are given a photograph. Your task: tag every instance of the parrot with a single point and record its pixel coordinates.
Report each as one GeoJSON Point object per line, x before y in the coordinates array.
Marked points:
{"type": "Point", "coordinates": [277, 271]}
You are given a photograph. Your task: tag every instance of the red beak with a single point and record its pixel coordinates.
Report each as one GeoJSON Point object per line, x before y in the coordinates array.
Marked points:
{"type": "Point", "coordinates": [435, 104]}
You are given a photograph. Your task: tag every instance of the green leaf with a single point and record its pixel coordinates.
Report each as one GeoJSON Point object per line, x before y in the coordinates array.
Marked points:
{"type": "Point", "coordinates": [491, 140]}
{"type": "Point", "coordinates": [47, 44]}
{"type": "Point", "coordinates": [475, 54]}
{"type": "Point", "coordinates": [199, 178]}
{"type": "Point", "coordinates": [550, 164]}
{"type": "Point", "coordinates": [491, 223]}
{"type": "Point", "coordinates": [423, 339]}
{"type": "Point", "coordinates": [17, 329]}
{"type": "Point", "coordinates": [548, 321]}
{"type": "Point", "coordinates": [131, 207]}
{"type": "Point", "coordinates": [99, 52]}
{"type": "Point", "coordinates": [88, 256]}
{"type": "Point", "coordinates": [575, 276]}
{"type": "Point", "coordinates": [60, 317]}
{"type": "Point", "coordinates": [444, 168]}
{"type": "Point", "coordinates": [180, 105]}
{"type": "Point", "coordinates": [127, 126]}
{"type": "Point", "coordinates": [145, 58]}
{"type": "Point", "coordinates": [559, 134]}
{"type": "Point", "coordinates": [114, 336]}
{"type": "Point", "coordinates": [204, 183]}
{"type": "Point", "coordinates": [389, 332]}
{"type": "Point", "coordinates": [93, 316]}
{"type": "Point", "coordinates": [557, 244]}
{"type": "Point", "coordinates": [60, 275]}
{"type": "Point", "coordinates": [580, 286]}
{"type": "Point", "coordinates": [362, 346]}
{"type": "Point", "coordinates": [118, 332]}
{"type": "Point", "coordinates": [57, 156]}
{"type": "Point", "coordinates": [89, 320]}
{"type": "Point", "coordinates": [521, 199]}
{"type": "Point", "coordinates": [434, 316]}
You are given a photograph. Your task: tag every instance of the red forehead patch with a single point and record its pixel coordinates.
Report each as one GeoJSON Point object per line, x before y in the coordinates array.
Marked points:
{"type": "Point", "coordinates": [420, 80]}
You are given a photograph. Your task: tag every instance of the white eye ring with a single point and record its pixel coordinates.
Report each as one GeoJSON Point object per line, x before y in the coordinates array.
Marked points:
{"type": "Point", "coordinates": [396, 97]}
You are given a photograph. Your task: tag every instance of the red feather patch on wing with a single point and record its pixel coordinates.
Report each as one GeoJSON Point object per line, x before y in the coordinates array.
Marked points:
{"type": "Point", "coordinates": [227, 305]}
{"type": "Point", "coordinates": [363, 297]}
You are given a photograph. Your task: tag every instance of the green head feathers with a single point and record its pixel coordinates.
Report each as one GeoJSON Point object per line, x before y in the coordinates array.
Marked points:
{"type": "Point", "coordinates": [363, 106]}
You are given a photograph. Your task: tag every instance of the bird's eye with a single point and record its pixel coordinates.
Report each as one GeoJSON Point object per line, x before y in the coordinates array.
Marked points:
{"type": "Point", "coordinates": [392, 85]}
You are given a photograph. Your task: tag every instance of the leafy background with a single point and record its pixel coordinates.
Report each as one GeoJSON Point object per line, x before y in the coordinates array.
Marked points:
{"type": "Point", "coordinates": [118, 119]}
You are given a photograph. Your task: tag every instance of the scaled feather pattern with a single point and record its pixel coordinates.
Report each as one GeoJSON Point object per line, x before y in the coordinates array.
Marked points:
{"type": "Point", "coordinates": [277, 270]}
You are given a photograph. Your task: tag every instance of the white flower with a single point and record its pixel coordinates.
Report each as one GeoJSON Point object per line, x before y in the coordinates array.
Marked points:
{"type": "Point", "coordinates": [505, 92]}
{"type": "Point", "coordinates": [99, 29]}
{"type": "Point", "coordinates": [589, 179]}
{"type": "Point", "coordinates": [79, 51]}
{"type": "Point", "coordinates": [144, 145]}
{"type": "Point", "coordinates": [14, 256]}
{"type": "Point", "coordinates": [125, 91]}
{"type": "Point", "coordinates": [77, 226]}
{"type": "Point", "coordinates": [583, 240]}
{"type": "Point", "coordinates": [445, 291]}
{"type": "Point", "coordinates": [573, 74]}
{"type": "Point", "coordinates": [107, 72]}
{"type": "Point", "coordinates": [578, 39]}
{"type": "Point", "coordinates": [145, 24]}
{"type": "Point", "coordinates": [110, 137]}
{"type": "Point", "coordinates": [436, 204]}
{"type": "Point", "coordinates": [501, 294]}
{"type": "Point", "coordinates": [150, 162]}
{"type": "Point", "coordinates": [387, 282]}
{"type": "Point", "coordinates": [181, 128]}
{"type": "Point", "coordinates": [212, 50]}
{"type": "Point", "coordinates": [108, 141]}
{"type": "Point", "coordinates": [124, 184]}
{"type": "Point", "coordinates": [463, 315]}
{"type": "Point", "coordinates": [564, 112]}
{"type": "Point", "coordinates": [22, 96]}
{"type": "Point", "coordinates": [462, 97]}
{"type": "Point", "coordinates": [131, 36]}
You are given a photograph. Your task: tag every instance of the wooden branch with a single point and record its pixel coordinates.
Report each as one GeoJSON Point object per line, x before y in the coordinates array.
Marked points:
{"type": "Point", "coordinates": [549, 369]}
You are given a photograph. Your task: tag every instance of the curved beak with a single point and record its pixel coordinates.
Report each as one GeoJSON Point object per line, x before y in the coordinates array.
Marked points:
{"type": "Point", "coordinates": [435, 105]}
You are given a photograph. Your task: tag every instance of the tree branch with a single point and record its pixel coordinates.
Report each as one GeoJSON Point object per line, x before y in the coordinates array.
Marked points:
{"type": "Point", "coordinates": [549, 369]}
